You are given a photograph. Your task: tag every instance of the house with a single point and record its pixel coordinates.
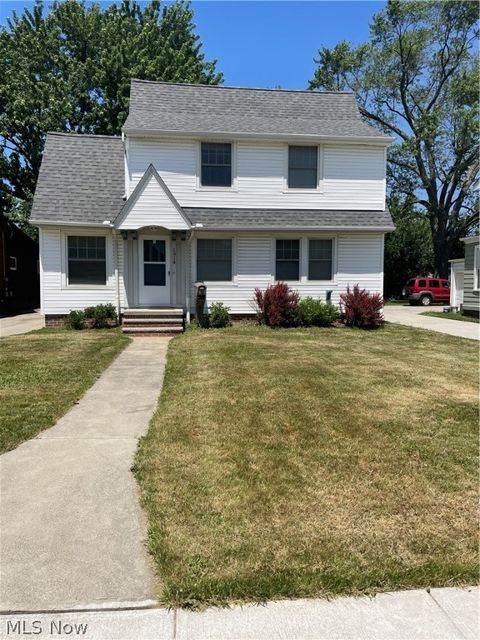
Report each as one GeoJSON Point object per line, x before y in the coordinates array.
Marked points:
{"type": "Point", "coordinates": [19, 269]}
{"type": "Point", "coordinates": [465, 278]}
{"type": "Point", "coordinates": [234, 187]}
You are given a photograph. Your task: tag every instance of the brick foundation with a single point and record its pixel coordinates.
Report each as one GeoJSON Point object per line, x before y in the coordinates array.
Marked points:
{"type": "Point", "coordinates": [54, 321]}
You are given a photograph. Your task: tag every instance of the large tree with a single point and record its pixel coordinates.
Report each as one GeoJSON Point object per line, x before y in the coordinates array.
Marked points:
{"type": "Point", "coordinates": [69, 69]}
{"type": "Point", "coordinates": [417, 79]}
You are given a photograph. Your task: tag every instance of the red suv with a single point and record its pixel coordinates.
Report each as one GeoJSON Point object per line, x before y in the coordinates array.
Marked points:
{"type": "Point", "coordinates": [427, 290]}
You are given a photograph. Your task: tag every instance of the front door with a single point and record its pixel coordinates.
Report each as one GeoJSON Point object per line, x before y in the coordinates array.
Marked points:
{"type": "Point", "coordinates": [154, 271]}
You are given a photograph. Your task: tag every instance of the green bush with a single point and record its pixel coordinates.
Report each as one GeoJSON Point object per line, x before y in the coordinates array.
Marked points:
{"type": "Point", "coordinates": [75, 320]}
{"type": "Point", "coordinates": [219, 316]}
{"type": "Point", "coordinates": [312, 312]}
{"type": "Point", "coordinates": [101, 315]}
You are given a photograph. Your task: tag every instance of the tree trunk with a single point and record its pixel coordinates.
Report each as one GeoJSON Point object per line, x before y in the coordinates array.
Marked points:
{"type": "Point", "coordinates": [441, 252]}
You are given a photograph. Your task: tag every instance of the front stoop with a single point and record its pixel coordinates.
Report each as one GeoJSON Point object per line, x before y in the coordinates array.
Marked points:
{"type": "Point", "coordinates": [153, 322]}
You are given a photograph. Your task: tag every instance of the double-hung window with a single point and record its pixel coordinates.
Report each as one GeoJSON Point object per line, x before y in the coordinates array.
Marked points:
{"type": "Point", "coordinates": [214, 259]}
{"type": "Point", "coordinates": [287, 264]}
{"type": "Point", "coordinates": [302, 167]}
{"type": "Point", "coordinates": [86, 260]}
{"type": "Point", "coordinates": [476, 267]}
{"type": "Point", "coordinates": [320, 253]}
{"type": "Point", "coordinates": [216, 170]}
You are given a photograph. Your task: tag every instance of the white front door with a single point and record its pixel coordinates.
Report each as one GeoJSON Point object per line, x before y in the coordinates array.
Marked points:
{"type": "Point", "coordinates": [458, 284]}
{"type": "Point", "coordinates": [154, 270]}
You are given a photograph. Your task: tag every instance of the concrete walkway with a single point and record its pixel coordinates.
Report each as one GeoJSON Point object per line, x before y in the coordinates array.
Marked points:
{"type": "Point", "coordinates": [72, 532]}
{"type": "Point", "coordinates": [412, 317]}
{"type": "Point", "coordinates": [22, 323]}
{"type": "Point", "coordinates": [442, 614]}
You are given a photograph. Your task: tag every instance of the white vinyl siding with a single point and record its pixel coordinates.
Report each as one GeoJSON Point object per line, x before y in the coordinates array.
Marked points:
{"type": "Point", "coordinates": [58, 297]}
{"type": "Point", "coordinates": [352, 176]}
{"type": "Point", "coordinates": [153, 207]}
{"type": "Point", "coordinates": [357, 259]}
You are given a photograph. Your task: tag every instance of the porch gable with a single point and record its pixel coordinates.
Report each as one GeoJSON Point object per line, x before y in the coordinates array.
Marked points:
{"type": "Point", "coordinates": [152, 204]}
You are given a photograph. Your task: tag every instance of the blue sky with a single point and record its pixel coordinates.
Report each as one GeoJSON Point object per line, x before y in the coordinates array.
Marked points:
{"type": "Point", "coordinates": [268, 44]}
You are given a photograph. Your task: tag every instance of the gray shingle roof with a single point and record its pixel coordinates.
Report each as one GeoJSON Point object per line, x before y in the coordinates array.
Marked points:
{"type": "Point", "coordinates": [271, 219]}
{"type": "Point", "coordinates": [81, 179]}
{"type": "Point", "coordinates": [191, 108]}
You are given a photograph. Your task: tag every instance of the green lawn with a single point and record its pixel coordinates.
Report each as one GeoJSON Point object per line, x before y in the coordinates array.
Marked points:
{"type": "Point", "coordinates": [314, 462]}
{"type": "Point", "coordinates": [44, 372]}
{"type": "Point", "coordinates": [450, 315]}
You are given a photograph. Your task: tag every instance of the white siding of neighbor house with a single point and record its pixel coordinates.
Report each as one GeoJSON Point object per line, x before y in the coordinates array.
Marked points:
{"type": "Point", "coordinates": [153, 207]}
{"type": "Point", "coordinates": [357, 259]}
{"type": "Point", "coordinates": [352, 176]}
{"type": "Point", "coordinates": [57, 296]}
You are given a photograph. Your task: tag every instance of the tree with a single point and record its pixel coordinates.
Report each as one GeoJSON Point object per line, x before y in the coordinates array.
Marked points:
{"type": "Point", "coordinates": [70, 70]}
{"type": "Point", "coordinates": [417, 79]}
{"type": "Point", "coordinates": [408, 249]}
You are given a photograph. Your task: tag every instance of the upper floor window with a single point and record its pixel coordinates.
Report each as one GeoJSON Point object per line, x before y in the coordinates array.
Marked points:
{"type": "Point", "coordinates": [216, 164]}
{"type": "Point", "coordinates": [302, 167]}
{"type": "Point", "coordinates": [214, 259]}
{"type": "Point", "coordinates": [86, 260]}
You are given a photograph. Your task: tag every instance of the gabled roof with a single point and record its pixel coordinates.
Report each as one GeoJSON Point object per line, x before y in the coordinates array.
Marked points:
{"type": "Point", "coordinates": [173, 218]}
{"type": "Point", "coordinates": [81, 179]}
{"type": "Point", "coordinates": [278, 219]}
{"type": "Point", "coordinates": [202, 109]}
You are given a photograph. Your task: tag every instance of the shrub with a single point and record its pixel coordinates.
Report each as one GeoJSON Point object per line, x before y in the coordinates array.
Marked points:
{"type": "Point", "coordinates": [219, 315]}
{"type": "Point", "coordinates": [277, 305]}
{"type": "Point", "coordinates": [361, 308]}
{"type": "Point", "coordinates": [102, 315]}
{"type": "Point", "coordinates": [312, 312]}
{"type": "Point", "coordinates": [75, 320]}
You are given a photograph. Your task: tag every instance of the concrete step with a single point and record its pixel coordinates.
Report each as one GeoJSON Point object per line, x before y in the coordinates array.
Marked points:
{"type": "Point", "coordinates": [156, 320]}
{"type": "Point", "coordinates": [165, 312]}
{"type": "Point", "coordinates": [147, 330]}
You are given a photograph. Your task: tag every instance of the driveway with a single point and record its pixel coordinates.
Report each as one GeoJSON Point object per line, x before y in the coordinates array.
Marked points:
{"type": "Point", "coordinates": [73, 534]}
{"type": "Point", "coordinates": [411, 316]}
{"type": "Point", "coordinates": [21, 323]}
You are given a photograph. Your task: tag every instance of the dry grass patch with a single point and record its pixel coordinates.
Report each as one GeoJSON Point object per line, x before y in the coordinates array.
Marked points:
{"type": "Point", "coordinates": [44, 372]}
{"type": "Point", "coordinates": [297, 463]}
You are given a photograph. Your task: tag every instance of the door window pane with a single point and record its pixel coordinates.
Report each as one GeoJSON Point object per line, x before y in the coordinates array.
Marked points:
{"type": "Point", "coordinates": [154, 274]}
{"type": "Point", "coordinates": [154, 250]}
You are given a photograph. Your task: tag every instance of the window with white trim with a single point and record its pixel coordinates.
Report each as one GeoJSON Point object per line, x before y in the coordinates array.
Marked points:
{"type": "Point", "coordinates": [214, 259]}
{"type": "Point", "coordinates": [86, 260]}
{"type": "Point", "coordinates": [12, 263]}
{"type": "Point", "coordinates": [216, 160]}
{"type": "Point", "coordinates": [320, 259]}
{"type": "Point", "coordinates": [287, 259]}
{"type": "Point", "coordinates": [302, 167]}
{"type": "Point", "coordinates": [476, 267]}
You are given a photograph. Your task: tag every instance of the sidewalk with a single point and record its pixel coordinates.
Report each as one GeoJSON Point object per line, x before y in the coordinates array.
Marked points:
{"type": "Point", "coordinates": [21, 323]}
{"type": "Point", "coordinates": [442, 614]}
{"type": "Point", "coordinates": [72, 531]}
{"type": "Point", "coordinates": [412, 317]}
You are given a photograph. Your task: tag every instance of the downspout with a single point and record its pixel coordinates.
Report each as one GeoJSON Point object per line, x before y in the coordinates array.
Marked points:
{"type": "Point", "coordinates": [187, 276]}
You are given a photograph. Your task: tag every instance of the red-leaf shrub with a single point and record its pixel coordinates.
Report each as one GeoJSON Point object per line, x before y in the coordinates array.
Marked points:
{"type": "Point", "coordinates": [361, 308]}
{"type": "Point", "coordinates": [277, 305]}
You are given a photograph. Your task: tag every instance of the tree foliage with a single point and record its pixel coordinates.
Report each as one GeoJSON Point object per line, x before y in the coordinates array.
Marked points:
{"type": "Point", "coordinates": [70, 70]}
{"type": "Point", "coordinates": [417, 78]}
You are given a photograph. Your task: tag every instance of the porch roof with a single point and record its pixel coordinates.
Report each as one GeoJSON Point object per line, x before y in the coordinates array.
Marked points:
{"type": "Point", "coordinates": [280, 219]}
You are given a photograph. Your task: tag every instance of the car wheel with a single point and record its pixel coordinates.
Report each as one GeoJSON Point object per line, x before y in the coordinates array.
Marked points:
{"type": "Point", "coordinates": [425, 301]}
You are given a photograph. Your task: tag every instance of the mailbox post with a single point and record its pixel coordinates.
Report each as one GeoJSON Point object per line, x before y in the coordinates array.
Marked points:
{"type": "Point", "coordinates": [200, 299]}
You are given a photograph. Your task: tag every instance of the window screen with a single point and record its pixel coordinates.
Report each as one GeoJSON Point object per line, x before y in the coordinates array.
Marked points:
{"type": "Point", "coordinates": [302, 167]}
{"type": "Point", "coordinates": [320, 259]}
{"type": "Point", "coordinates": [86, 260]}
{"type": "Point", "coordinates": [216, 164]}
{"type": "Point", "coordinates": [287, 265]}
{"type": "Point", "coordinates": [214, 259]}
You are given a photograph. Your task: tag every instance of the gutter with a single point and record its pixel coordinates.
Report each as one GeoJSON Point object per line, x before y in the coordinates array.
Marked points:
{"type": "Point", "coordinates": [64, 223]}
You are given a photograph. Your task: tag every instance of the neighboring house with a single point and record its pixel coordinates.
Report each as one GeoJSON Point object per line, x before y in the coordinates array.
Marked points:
{"type": "Point", "coordinates": [19, 269]}
{"type": "Point", "coordinates": [238, 188]}
{"type": "Point", "coordinates": [465, 277]}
